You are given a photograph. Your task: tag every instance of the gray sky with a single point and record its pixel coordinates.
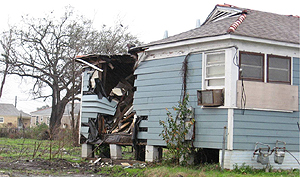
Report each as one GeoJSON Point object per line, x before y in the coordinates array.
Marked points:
{"type": "Point", "coordinates": [146, 19]}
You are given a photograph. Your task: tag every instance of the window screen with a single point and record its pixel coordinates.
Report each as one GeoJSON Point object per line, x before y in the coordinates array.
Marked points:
{"type": "Point", "coordinates": [279, 69]}
{"type": "Point", "coordinates": [252, 66]}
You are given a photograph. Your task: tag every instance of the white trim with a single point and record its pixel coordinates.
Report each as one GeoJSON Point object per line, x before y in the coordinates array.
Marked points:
{"type": "Point", "coordinates": [229, 10]}
{"type": "Point", "coordinates": [266, 41]}
{"type": "Point", "coordinates": [2, 119]}
{"type": "Point", "coordinates": [217, 38]}
{"type": "Point", "coordinates": [187, 42]}
{"type": "Point", "coordinates": [265, 67]}
{"type": "Point", "coordinates": [204, 78]}
{"type": "Point", "coordinates": [230, 129]}
{"type": "Point", "coordinates": [231, 76]}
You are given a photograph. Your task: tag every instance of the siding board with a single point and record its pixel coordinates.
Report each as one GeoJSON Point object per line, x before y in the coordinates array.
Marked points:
{"type": "Point", "coordinates": [267, 126]}
{"type": "Point", "coordinates": [159, 85]}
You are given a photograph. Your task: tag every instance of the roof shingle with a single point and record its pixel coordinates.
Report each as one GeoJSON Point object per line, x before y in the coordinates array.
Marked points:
{"type": "Point", "coordinates": [257, 24]}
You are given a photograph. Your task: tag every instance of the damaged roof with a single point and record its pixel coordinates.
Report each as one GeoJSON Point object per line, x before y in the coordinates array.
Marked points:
{"type": "Point", "coordinates": [257, 24]}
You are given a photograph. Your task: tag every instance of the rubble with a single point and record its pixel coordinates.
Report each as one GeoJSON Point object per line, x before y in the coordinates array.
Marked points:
{"type": "Point", "coordinates": [111, 85]}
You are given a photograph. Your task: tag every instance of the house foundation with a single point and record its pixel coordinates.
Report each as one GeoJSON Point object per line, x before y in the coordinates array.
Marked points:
{"type": "Point", "coordinates": [153, 153]}
{"type": "Point", "coordinates": [86, 150]}
{"type": "Point", "coordinates": [115, 151]}
{"type": "Point", "coordinates": [243, 157]}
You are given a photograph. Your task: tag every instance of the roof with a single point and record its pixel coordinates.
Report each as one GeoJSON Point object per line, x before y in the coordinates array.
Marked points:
{"type": "Point", "coordinates": [257, 24]}
{"type": "Point", "coordinates": [47, 111]}
{"type": "Point", "coordinates": [11, 110]}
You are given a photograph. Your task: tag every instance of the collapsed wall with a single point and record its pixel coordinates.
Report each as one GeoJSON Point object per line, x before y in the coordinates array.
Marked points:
{"type": "Point", "coordinates": [107, 114]}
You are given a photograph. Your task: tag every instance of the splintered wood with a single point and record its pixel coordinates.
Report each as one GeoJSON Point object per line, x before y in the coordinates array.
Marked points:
{"type": "Point", "coordinates": [116, 84]}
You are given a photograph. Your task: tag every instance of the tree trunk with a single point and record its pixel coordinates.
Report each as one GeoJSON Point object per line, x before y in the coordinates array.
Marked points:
{"type": "Point", "coordinates": [57, 112]}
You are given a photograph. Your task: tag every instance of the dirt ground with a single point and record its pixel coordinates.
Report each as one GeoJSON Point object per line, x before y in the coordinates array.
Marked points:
{"type": "Point", "coordinates": [60, 167]}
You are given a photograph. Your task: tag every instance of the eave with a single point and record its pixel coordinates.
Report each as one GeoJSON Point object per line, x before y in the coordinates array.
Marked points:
{"type": "Point", "coordinates": [218, 38]}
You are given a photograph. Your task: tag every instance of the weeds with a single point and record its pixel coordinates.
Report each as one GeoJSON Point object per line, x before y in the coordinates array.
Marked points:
{"type": "Point", "coordinates": [120, 171]}
{"type": "Point", "coordinates": [31, 149]}
{"type": "Point", "coordinates": [244, 169]}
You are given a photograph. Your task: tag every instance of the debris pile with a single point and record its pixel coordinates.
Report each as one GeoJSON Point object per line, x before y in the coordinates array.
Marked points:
{"type": "Point", "coordinates": [108, 87]}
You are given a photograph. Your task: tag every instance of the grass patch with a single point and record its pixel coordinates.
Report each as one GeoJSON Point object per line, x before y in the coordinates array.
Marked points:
{"type": "Point", "coordinates": [20, 150]}
{"type": "Point", "coordinates": [32, 148]}
{"type": "Point", "coordinates": [173, 171]}
{"type": "Point", "coordinates": [117, 171]}
{"type": "Point", "coordinates": [212, 170]}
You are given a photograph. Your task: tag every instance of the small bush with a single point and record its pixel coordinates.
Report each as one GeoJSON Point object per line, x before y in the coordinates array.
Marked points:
{"type": "Point", "coordinates": [39, 132]}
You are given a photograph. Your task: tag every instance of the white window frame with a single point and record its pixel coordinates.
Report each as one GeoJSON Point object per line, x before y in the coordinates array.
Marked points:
{"type": "Point", "coordinates": [205, 78]}
{"type": "Point", "coordinates": [1, 122]}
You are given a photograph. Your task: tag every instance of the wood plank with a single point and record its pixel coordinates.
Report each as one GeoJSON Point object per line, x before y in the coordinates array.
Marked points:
{"type": "Point", "coordinates": [156, 100]}
{"type": "Point", "coordinates": [264, 139]}
{"type": "Point", "coordinates": [158, 69]}
{"type": "Point", "coordinates": [267, 114]}
{"type": "Point", "coordinates": [161, 62]}
{"type": "Point", "coordinates": [269, 96]}
{"type": "Point", "coordinates": [97, 110]}
{"type": "Point", "coordinates": [166, 81]}
{"type": "Point", "coordinates": [156, 142]}
{"type": "Point", "coordinates": [250, 146]}
{"type": "Point", "coordinates": [147, 94]}
{"type": "Point", "coordinates": [213, 145]}
{"type": "Point", "coordinates": [168, 74]}
{"type": "Point", "coordinates": [266, 126]}
{"type": "Point", "coordinates": [165, 87]}
{"type": "Point", "coordinates": [269, 133]}
{"type": "Point", "coordinates": [97, 105]}
{"type": "Point", "coordinates": [171, 60]}
{"type": "Point", "coordinates": [160, 81]}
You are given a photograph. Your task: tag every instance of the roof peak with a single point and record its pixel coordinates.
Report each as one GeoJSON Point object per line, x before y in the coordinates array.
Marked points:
{"type": "Point", "coordinates": [222, 11]}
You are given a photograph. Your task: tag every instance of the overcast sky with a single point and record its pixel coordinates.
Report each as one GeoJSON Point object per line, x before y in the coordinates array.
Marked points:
{"type": "Point", "coordinates": [146, 19]}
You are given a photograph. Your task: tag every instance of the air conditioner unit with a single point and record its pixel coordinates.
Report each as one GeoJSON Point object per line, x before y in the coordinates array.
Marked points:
{"type": "Point", "coordinates": [210, 97]}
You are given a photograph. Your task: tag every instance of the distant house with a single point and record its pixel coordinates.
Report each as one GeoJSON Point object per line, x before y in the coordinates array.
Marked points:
{"type": "Point", "coordinates": [43, 116]}
{"type": "Point", "coordinates": [242, 73]}
{"type": "Point", "coordinates": [11, 117]}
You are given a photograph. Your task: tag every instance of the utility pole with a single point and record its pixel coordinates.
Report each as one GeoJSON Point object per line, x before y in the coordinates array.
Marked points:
{"type": "Point", "coordinates": [16, 98]}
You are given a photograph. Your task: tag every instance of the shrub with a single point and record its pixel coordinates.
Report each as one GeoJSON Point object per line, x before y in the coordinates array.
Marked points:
{"type": "Point", "coordinates": [174, 131]}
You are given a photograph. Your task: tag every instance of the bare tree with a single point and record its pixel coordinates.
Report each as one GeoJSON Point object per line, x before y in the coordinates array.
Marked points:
{"type": "Point", "coordinates": [6, 44]}
{"type": "Point", "coordinates": [44, 49]}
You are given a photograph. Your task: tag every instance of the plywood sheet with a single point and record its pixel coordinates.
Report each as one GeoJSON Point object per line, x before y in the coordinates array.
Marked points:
{"type": "Point", "coordinates": [268, 96]}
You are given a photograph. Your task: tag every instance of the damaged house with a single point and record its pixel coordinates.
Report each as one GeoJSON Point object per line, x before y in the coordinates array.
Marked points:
{"type": "Point", "coordinates": [107, 115]}
{"type": "Point", "coordinates": [242, 73]}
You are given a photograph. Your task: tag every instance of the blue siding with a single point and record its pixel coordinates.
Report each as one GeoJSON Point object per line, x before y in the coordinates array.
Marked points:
{"type": "Point", "coordinates": [266, 126]}
{"type": "Point", "coordinates": [91, 105]}
{"type": "Point", "coordinates": [159, 85]}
